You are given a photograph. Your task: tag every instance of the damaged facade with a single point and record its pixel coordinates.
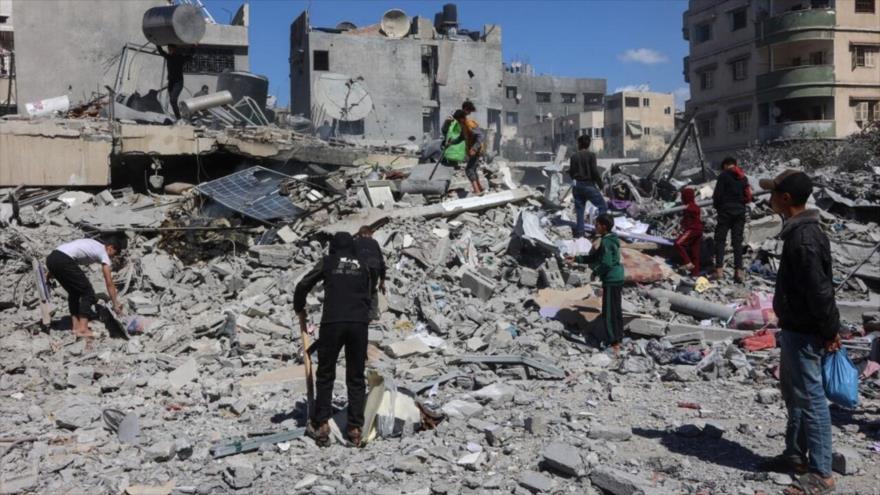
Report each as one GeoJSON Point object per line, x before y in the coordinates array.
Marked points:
{"type": "Point", "coordinates": [781, 69]}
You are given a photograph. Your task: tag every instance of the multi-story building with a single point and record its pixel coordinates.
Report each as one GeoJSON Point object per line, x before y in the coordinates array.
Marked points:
{"type": "Point", "coordinates": [780, 69]}
{"type": "Point", "coordinates": [550, 133]}
{"type": "Point", "coordinates": [415, 78]}
{"type": "Point", "coordinates": [530, 98]}
{"type": "Point", "coordinates": [638, 124]}
{"type": "Point", "coordinates": [75, 50]}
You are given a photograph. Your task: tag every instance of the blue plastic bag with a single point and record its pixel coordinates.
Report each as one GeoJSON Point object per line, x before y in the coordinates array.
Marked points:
{"type": "Point", "coordinates": [841, 379]}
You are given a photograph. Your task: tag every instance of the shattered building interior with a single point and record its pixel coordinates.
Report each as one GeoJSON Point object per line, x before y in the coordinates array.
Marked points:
{"type": "Point", "coordinates": [488, 368]}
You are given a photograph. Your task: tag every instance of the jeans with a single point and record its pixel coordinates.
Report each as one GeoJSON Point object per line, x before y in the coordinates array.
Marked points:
{"type": "Point", "coordinates": [583, 193]}
{"type": "Point", "coordinates": [333, 337]}
{"type": "Point", "coordinates": [808, 432]}
{"type": "Point", "coordinates": [733, 223]}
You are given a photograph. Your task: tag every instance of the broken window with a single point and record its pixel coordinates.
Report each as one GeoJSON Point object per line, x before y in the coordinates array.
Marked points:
{"type": "Point", "coordinates": [738, 19]}
{"type": "Point", "coordinates": [702, 32]}
{"type": "Point", "coordinates": [864, 55]}
{"type": "Point", "coordinates": [632, 101]}
{"type": "Point", "coordinates": [740, 69]}
{"type": "Point", "coordinates": [707, 127]}
{"type": "Point", "coordinates": [511, 118]}
{"type": "Point", "coordinates": [707, 79]}
{"type": "Point", "coordinates": [542, 97]}
{"type": "Point", "coordinates": [569, 98]}
{"type": "Point", "coordinates": [739, 121]}
{"type": "Point", "coordinates": [510, 92]}
{"type": "Point", "coordinates": [207, 60]}
{"type": "Point", "coordinates": [320, 60]}
{"type": "Point", "coordinates": [353, 128]}
{"type": "Point", "coordinates": [865, 6]}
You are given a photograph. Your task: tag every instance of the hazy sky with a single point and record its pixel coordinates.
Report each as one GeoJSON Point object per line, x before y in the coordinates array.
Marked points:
{"type": "Point", "coordinates": [628, 42]}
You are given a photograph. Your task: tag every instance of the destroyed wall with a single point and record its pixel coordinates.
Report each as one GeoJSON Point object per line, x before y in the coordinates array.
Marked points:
{"type": "Point", "coordinates": [392, 72]}
{"type": "Point", "coordinates": [72, 51]}
{"type": "Point", "coordinates": [529, 110]}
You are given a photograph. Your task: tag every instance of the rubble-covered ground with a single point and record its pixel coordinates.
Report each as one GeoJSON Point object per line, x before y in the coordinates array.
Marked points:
{"type": "Point", "coordinates": [217, 357]}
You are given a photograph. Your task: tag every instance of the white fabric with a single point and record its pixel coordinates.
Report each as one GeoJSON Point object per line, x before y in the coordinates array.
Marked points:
{"type": "Point", "coordinates": [86, 251]}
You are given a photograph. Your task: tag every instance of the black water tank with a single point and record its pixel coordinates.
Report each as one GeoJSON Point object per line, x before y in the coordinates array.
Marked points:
{"type": "Point", "coordinates": [438, 22]}
{"type": "Point", "coordinates": [242, 84]}
{"type": "Point", "coordinates": [450, 15]}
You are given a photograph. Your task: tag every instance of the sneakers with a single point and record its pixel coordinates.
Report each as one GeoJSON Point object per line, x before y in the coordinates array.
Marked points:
{"type": "Point", "coordinates": [354, 435]}
{"type": "Point", "coordinates": [321, 433]}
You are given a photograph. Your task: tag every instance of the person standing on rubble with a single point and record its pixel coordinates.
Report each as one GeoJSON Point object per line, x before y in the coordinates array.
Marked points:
{"type": "Point", "coordinates": [586, 183]}
{"type": "Point", "coordinates": [691, 233]}
{"type": "Point", "coordinates": [809, 321]}
{"type": "Point", "coordinates": [63, 264]}
{"type": "Point", "coordinates": [732, 194]}
{"type": "Point", "coordinates": [475, 145]}
{"type": "Point", "coordinates": [175, 59]}
{"type": "Point", "coordinates": [605, 262]}
{"type": "Point", "coordinates": [372, 252]}
{"type": "Point", "coordinates": [455, 144]}
{"type": "Point", "coordinates": [344, 321]}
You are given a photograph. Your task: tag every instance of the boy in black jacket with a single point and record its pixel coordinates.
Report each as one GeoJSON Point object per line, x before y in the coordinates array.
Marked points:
{"type": "Point", "coordinates": [344, 321]}
{"type": "Point", "coordinates": [809, 319]}
{"type": "Point", "coordinates": [732, 194]}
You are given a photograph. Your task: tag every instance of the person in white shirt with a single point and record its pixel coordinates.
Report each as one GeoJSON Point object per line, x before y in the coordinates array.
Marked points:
{"type": "Point", "coordinates": [63, 264]}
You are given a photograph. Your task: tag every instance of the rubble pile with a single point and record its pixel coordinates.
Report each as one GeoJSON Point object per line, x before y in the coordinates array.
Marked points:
{"type": "Point", "coordinates": [485, 350]}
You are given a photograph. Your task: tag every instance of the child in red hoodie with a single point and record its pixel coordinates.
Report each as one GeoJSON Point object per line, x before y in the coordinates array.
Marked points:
{"type": "Point", "coordinates": [691, 233]}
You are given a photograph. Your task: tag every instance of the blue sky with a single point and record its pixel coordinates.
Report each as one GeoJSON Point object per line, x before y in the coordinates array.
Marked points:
{"type": "Point", "coordinates": [628, 42]}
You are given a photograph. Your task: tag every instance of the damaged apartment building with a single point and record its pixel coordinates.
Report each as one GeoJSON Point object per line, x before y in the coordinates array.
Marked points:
{"type": "Point", "coordinates": [76, 58]}
{"type": "Point", "coordinates": [397, 80]}
{"type": "Point", "coordinates": [781, 69]}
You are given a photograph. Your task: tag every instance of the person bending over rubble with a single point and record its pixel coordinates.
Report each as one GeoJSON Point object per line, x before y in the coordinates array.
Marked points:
{"type": "Point", "coordinates": [175, 59]}
{"type": "Point", "coordinates": [605, 262]}
{"type": "Point", "coordinates": [809, 321]}
{"type": "Point", "coordinates": [63, 264]}
{"type": "Point", "coordinates": [372, 252]}
{"type": "Point", "coordinates": [586, 183]}
{"type": "Point", "coordinates": [344, 321]}
{"type": "Point", "coordinates": [732, 194]}
{"type": "Point", "coordinates": [691, 233]}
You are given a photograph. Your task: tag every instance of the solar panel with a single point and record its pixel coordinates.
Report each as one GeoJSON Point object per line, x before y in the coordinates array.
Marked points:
{"type": "Point", "coordinates": [253, 192]}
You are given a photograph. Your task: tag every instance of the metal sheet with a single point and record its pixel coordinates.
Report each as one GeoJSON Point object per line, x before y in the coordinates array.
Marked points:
{"type": "Point", "coordinates": [254, 193]}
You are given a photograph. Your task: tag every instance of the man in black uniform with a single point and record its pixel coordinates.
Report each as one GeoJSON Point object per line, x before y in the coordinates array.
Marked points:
{"type": "Point", "coordinates": [344, 321]}
{"type": "Point", "coordinates": [175, 59]}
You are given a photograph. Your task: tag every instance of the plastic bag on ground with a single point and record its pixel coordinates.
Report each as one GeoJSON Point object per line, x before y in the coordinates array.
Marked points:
{"type": "Point", "coordinates": [841, 379]}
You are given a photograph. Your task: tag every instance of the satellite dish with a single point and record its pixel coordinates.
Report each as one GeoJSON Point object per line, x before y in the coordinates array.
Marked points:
{"type": "Point", "coordinates": [346, 26]}
{"type": "Point", "coordinates": [342, 97]}
{"type": "Point", "coordinates": [395, 24]}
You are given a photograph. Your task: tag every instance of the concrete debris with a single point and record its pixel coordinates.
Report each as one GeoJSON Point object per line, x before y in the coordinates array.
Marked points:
{"type": "Point", "coordinates": [563, 459]}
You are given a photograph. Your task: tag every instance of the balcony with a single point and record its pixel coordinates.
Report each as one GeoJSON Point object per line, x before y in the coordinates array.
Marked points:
{"type": "Point", "coordinates": [809, 129]}
{"type": "Point", "coordinates": [805, 75]}
{"type": "Point", "coordinates": [794, 26]}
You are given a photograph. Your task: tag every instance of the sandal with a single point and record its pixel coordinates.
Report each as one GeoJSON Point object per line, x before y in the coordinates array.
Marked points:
{"type": "Point", "coordinates": [810, 484]}
{"type": "Point", "coordinates": [784, 464]}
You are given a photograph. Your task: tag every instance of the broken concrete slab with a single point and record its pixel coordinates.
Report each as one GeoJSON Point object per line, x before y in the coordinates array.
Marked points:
{"type": "Point", "coordinates": [184, 374]}
{"type": "Point", "coordinates": [617, 482]}
{"type": "Point", "coordinates": [562, 458]}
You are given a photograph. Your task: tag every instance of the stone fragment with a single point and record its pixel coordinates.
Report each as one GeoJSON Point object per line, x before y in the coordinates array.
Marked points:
{"type": "Point", "coordinates": [616, 482]}
{"type": "Point", "coordinates": [562, 458]}
{"type": "Point", "coordinates": [183, 374]}
{"type": "Point", "coordinates": [480, 286]}
{"type": "Point", "coordinates": [769, 395]}
{"type": "Point", "coordinates": [528, 277]}
{"type": "Point", "coordinates": [239, 474]}
{"type": "Point", "coordinates": [846, 461]}
{"type": "Point", "coordinates": [714, 430]}
{"type": "Point", "coordinates": [461, 409]}
{"type": "Point", "coordinates": [536, 482]}
{"type": "Point", "coordinates": [161, 451]}
{"type": "Point", "coordinates": [78, 376]}
{"type": "Point", "coordinates": [612, 433]}
{"type": "Point", "coordinates": [73, 415]}
{"type": "Point", "coordinates": [599, 360]}
{"type": "Point", "coordinates": [496, 393]}
{"type": "Point", "coordinates": [536, 425]}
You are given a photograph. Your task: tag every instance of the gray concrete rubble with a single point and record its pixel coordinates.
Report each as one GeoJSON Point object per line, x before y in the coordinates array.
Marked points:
{"type": "Point", "coordinates": [485, 369]}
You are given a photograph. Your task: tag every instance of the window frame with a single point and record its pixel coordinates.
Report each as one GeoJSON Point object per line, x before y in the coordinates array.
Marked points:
{"type": "Point", "coordinates": [732, 18]}
{"type": "Point", "coordinates": [871, 4]}
{"type": "Point", "coordinates": [507, 92]}
{"type": "Point", "coordinates": [326, 55]}
{"type": "Point", "coordinates": [742, 63]}
{"type": "Point", "coordinates": [629, 99]}
{"type": "Point", "coordinates": [709, 29]}
{"type": "Point", "coordinates": [539, 97]}
{"type": "Point", "coordinates": [573, 98]}
{"type": "Point", "coordinates": [707, 75]}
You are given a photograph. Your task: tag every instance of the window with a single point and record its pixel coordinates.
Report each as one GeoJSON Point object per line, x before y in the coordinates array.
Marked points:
{"type": "Point", "coordinates": [569, 98]}
{"type": "Point", "coordinates": [210, 61]}
{"type": "Point", "coordinates": [702, 32]}
{"type": "Point", "coordinates": [592, 99]}
{"type": "Point", "coordinates": [707, 127]}
{"type": "Point", "coordinates": [511, 118]}
{"type": "Point", "coordinates": [510, 92]}
{"type": "Point", "coordinates": [352, 128]}
{"type": "Point", "coordinates": [738, 19]}
{"type": "Point", "coordinates": [739, 121]}
{"type": "Point", "coordinates": [739, 68]}
{"type": "Point", "coordinates": [598, 132]}
{"type": "Point", "coordinates": [667, 111]}
{"type": "Point", "coordinates": [612, 104]}
{"type": "Point", "coordinates": [320, 60]}
{"type": "Point", "coordinates": [646, 102]}
{"type": "Point", "coordinates": [646, 130]}
{"type": "Point", "coordinates": [632, 102]}
{"type": "Point", "coordinates": [865, 6]}
{"type": "Point", "coordinates": [796, 62]}
{"type": "Point", "coordinates": [817, 58]}
{"type": "Point", "coordinates": [542, 97]}
{"type": "Point", "coordinates": [707, 79]}
{"type": "Point", "coordinates": [866, 111]}
{"type": "Point", "coordinates": [864, 56]}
